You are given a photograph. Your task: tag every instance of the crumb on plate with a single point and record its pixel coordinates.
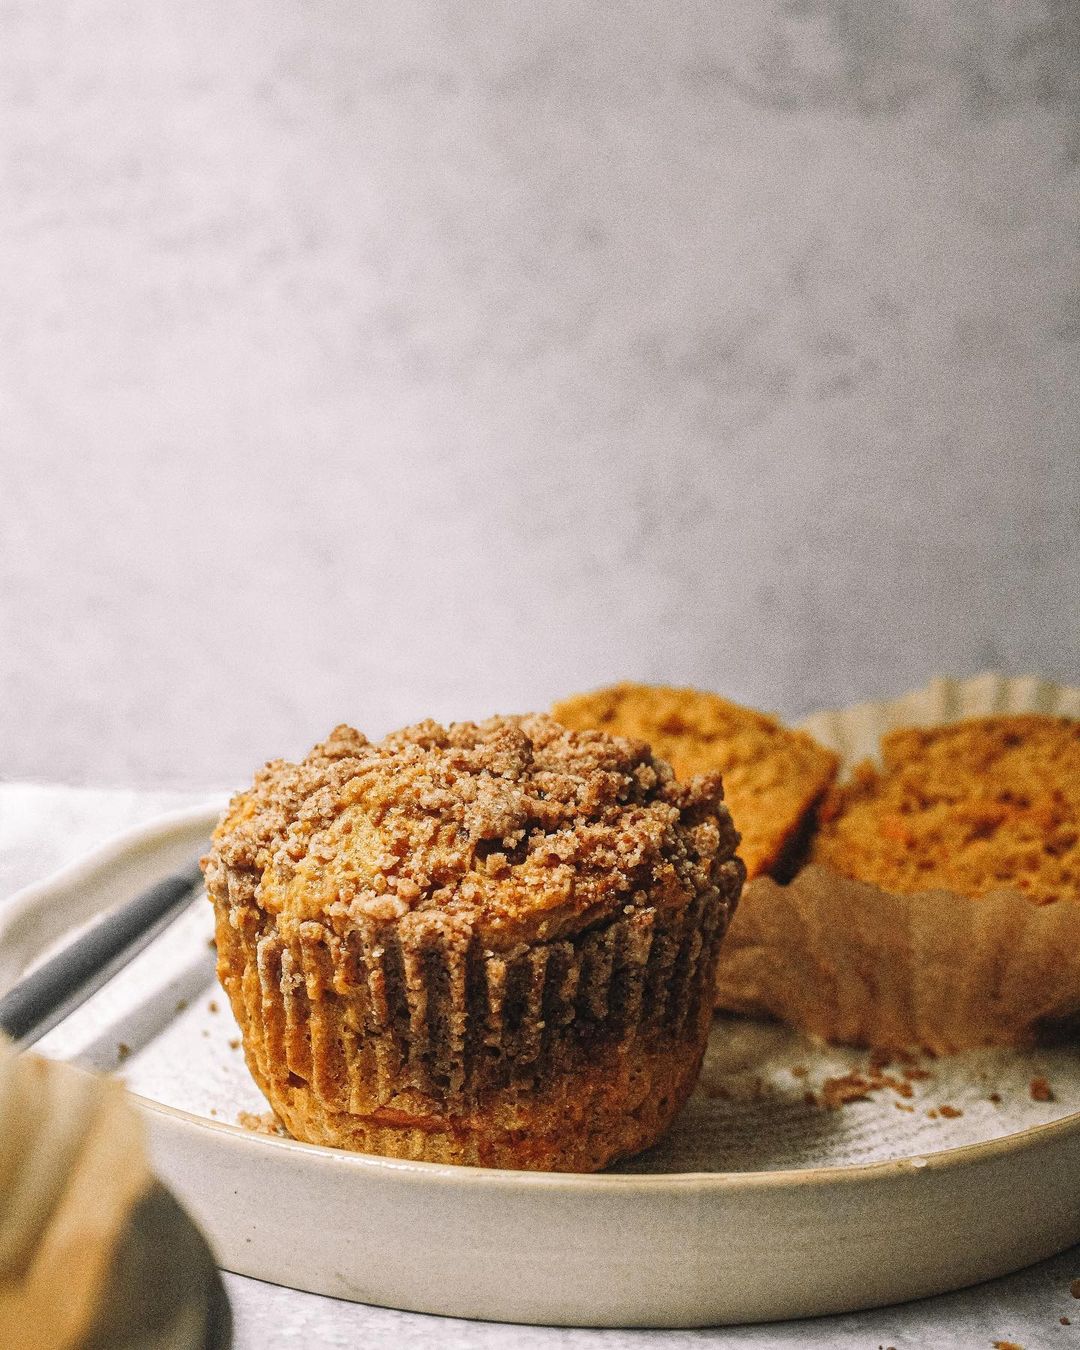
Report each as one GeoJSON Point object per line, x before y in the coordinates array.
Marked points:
{"type": "Point", "coordinates": [264, 1122]}
{"type": "Point", "coordinates": [848, 1087]}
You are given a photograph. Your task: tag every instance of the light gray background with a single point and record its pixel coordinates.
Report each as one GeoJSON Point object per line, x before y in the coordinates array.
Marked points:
{"type": "Point", "coordinates": [369, 361]}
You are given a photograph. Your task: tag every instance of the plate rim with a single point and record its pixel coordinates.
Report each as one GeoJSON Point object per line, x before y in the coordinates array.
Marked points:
{"type": "Point", "coordinates": [160, 827]}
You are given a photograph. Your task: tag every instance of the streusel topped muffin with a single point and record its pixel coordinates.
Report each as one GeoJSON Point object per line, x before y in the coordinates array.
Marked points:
{"type": "Point", "coordinates": [485, 943]}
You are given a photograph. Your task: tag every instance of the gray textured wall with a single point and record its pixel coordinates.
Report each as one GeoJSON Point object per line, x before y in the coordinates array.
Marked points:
{"type": "Point", "coordinates": [367, 361]}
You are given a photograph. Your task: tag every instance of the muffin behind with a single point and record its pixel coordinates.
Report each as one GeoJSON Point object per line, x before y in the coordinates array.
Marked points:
{"type": "Point", "coordinates": [941, 903]}
{"type": "Point", "coordinates": [773, 777]}
{"type": "Point", "coordinates": [485, 944]}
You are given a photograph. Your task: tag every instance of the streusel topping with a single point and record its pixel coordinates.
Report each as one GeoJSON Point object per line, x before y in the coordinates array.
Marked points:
{"type": "Point", "coordinates": [522, 827]}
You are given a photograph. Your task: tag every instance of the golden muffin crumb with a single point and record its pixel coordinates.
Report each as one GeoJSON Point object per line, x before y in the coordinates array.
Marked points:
{"type": "Point", "coordinates": [985, 804]}
{"type": "Point", "coordinates": [773, 777]}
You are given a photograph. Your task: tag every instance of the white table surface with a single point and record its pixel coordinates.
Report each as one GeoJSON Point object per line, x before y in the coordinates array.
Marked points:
{"type": "Point", "coordinates": [42, 827]}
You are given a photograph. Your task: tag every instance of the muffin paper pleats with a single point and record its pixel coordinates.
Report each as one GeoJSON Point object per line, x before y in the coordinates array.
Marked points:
{"type": "Point", "coordinates": [850, 962]}
{"type": "Point", "coordinates": [388, 1030]}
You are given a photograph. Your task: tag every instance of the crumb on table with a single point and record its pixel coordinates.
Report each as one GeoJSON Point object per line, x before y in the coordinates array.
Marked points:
{"type": "Point", "coordinates": [1040, 1090]}
{"type": "Point", "coordinates": [950, 1112]}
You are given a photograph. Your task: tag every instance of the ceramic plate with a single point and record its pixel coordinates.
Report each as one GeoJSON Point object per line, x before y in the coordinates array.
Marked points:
{"type": "Point", "coordinates": [762, 1203]}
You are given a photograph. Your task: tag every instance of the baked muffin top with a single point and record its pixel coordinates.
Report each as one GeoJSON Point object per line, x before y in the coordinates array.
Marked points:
{"type": "Point", "coordinates": [988, 803]}
{"type": "Point", "coordinates": [773, 777]}
{"type": "Point", "coordinates": [522, 828]}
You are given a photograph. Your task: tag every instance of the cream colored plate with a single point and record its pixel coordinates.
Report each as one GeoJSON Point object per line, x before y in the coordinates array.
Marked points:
{"type": "Point", "coordinates": [758, 1205]}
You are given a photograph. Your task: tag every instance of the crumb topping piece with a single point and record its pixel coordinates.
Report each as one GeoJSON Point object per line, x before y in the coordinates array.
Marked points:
{"type": "Point", "coordinates": [985, 804]}
{"type": "Point", "coordinates": [773, 776]}
{"type": "Point", "coordinates": [525, 828]}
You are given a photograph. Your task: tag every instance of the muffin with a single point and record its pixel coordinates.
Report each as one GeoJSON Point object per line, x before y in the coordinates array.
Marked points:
{"type": "Point", "coordinates": [485, 944]}
{"type": "Point", "coordinates": [941, 902]}
{"type": "Point", "coordinates": [774, 779]}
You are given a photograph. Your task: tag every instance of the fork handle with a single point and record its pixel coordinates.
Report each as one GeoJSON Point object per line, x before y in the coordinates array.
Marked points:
{"type": "Point", "coordinates": [59, 985]}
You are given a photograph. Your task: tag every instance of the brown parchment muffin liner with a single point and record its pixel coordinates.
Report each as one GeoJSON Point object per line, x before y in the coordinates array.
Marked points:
{"type": "Point", "coordinates": [409, 1038]}
{"type": "Point", "coordinates": [848, 961]}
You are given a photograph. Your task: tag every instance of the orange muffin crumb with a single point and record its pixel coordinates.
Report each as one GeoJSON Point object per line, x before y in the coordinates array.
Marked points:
{"type": "Point", "coordinates": [985, 804]}
{"type": "Point", "coordinates": [773, 777]}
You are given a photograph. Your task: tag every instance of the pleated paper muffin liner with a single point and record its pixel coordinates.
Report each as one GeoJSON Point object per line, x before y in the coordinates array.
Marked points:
{"type": "Point", "coordinates": [849, 961]}
{"type": "Point", "coordinates": [371, 1031]}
